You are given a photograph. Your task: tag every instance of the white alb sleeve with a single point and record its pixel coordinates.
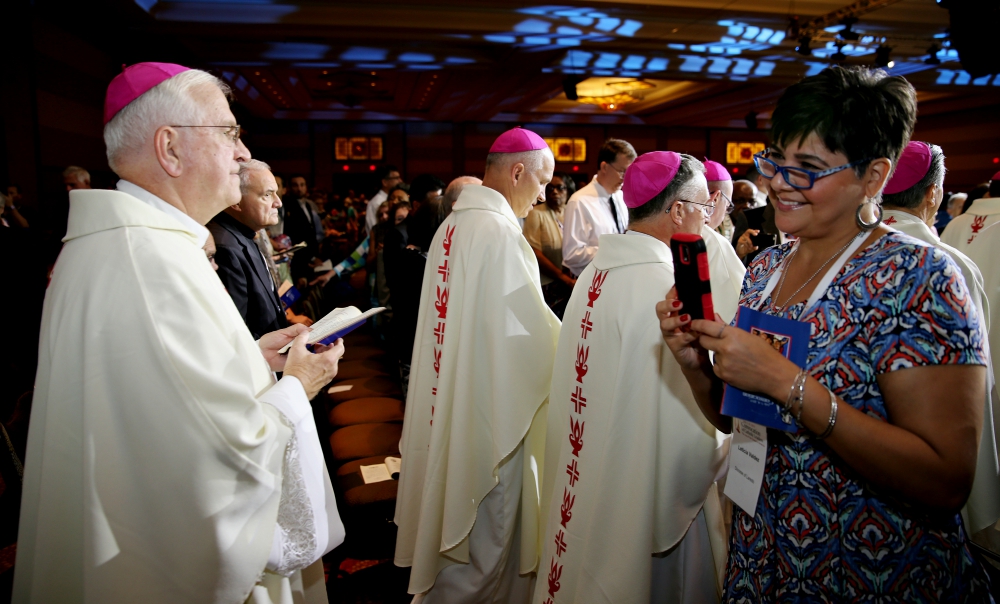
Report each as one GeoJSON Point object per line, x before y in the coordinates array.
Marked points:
{"type": "Point", "coordinates": [308, 522]}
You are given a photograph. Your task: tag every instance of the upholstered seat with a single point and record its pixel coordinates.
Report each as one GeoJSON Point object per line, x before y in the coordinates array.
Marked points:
{"type": "Point", "coordinates": [366, 411]}
{"type": "Point", "coordinates": [364, 387]}
{"type": "Point", "coordinates": [365, 440]}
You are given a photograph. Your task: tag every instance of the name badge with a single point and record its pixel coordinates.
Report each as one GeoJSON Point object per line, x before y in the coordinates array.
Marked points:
{"type": "Point", "coordinates": [747, 455]}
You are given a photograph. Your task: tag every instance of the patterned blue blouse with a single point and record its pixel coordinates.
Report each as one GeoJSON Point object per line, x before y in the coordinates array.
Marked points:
{"type": "Point", "coordinates": [821, 532]}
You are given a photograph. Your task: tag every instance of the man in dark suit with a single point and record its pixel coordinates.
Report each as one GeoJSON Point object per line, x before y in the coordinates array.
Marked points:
{"type": "Point", "coordinates": [302, 224]}
{"type": "Point", "coordinates": [242, 267]}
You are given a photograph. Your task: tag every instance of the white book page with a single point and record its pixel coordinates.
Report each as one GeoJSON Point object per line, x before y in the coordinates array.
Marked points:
{"type": "Point", "coordinates": [393, 464]}
{"type": "Point", "coordinates": [376, 473]}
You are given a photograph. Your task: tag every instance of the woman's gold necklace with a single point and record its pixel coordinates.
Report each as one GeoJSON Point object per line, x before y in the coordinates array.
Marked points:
{"type": "Point", "coordinates": [788, 264]}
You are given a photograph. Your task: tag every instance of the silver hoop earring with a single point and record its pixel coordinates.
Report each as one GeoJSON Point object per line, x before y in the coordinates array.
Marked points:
{"type": "Point", "coordinates": [869, 225]}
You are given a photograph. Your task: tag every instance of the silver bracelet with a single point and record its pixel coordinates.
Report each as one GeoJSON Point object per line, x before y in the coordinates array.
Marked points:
{"type": "Point", "coordinates": [791, 391]}
{"type": "Point", "coordinates": [801, 396]}
{"type": "Point", "coordinates": [833, 417]}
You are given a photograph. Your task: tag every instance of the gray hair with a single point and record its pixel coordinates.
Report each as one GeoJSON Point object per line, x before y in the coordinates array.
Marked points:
{"type": "Point", "coordinates": [77, 173]}
{"type": "Point", "coordinates": [911, 198]}
{"type": "Point", "coordinates": [167, 103]}
{"type": "Point", "coordinates": [532, 160]}
{"type": "Point", "coordinates": [246, 167]}
{"type": "Point", "coordinates": [683, 186]}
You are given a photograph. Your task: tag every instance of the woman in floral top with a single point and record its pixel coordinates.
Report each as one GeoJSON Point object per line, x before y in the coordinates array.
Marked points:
{"type": "Point", "coordinates": [860, 502]}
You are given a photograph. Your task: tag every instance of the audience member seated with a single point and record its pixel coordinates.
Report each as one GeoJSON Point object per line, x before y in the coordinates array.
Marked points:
{"type": "Point", "coordinates": [242, 267]}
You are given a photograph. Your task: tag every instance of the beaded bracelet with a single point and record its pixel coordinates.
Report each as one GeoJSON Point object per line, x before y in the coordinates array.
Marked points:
{"type": "Point", "coordinates": [801, 396]}
{"type": "Point", "coordinates": [791, 391]}
{"type": "Point", "coordinates": [833, 417]}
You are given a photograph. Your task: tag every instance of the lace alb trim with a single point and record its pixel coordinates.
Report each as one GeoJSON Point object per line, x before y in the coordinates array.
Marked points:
{"type": "Point", "coordinates": [295, 514]}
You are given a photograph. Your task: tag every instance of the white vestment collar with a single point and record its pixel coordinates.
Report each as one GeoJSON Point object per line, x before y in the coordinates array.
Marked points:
{"type": "Point", "coordinates": [485, 198]}
{"type": "Point", "coordinates": [616, 250]}
{"type": "Point", "coordinates": [198, 230]}
{"type": "Point", "coordinates": [984, 206]}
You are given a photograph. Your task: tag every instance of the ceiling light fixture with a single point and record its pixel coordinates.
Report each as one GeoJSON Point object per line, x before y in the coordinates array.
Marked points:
{"type": "Point", "coordinates": [933, 58]}
{"type": "Point", "coordinates": [847, 33]}
{"type": "Point", "coordinates": [882, 57]}
{"type": "Point", "coordinates": [803, 47]}
{"type": "Point", "coordinates": [611, 94]}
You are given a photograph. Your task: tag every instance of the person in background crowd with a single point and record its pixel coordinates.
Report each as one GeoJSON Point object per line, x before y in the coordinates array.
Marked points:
{"type": "Point", "coordinates": [75, 177]}
{"type": "Point", "coordinates": [979, 214]}
{"type": "Point", "coordinates": [242, 267]}
{"type": "Point", "coordinates": [468, 502]}
{"type": "Point", "coordinates": [10, 216]}
{"type": "Point", "coordinates": [302, 224]}
{"type": "Point", "coordinates": [627, 497]}
{"type": "Point", "coordinates": [425, 188]}
{"type": "Point", "coordinates": [597, 209]}
{"type": "Point", "coordinates": [210, 251]}
{"type": "Point", "coordinates": [455, 187]}
{"type": "Point", "coordinates": [944, 213]}
{"type": "Point", "coordinates": [890, 407]}
{"type": "Point", "coordinates": [722, 199]}
{"type": "Point", "coordinates": [543, 230]}
{"type": "Point", "coordinates": [232, 503]}
{"type": "Point", "coordinates": [911, 199]}
{"type": "Point", "coordinates": [388, 177]}
{"type": "Point", "coordinates": [400, 192]}
{"type": "Point", "coordinates": [277, 229]}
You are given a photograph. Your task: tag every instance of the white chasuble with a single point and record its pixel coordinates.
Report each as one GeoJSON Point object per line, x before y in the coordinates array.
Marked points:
{"type": "Point", "coordinates": [159, 462]}
{"type": "Point", "coordinates": [630, 458]}
{"type": "Point", "coordinates": [481, 365]}
{"type": "Point", "coordinates": [726, 272]}
{"type": "Point", "coordinates": [983, 507]}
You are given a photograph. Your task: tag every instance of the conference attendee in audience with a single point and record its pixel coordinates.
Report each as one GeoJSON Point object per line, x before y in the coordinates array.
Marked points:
{"type": "Point", "coordinates": [597, 209]}
{"type": "Point", "coordinates": [400, 192]}
{"type": "Point", "coordinates": [467, 507]}
{"type": "Point", "coordinates": [455, 187]}
{"type": "Point", "coordinates": [164, 463]}
{"type": "Point", "coordinates": [242, 267]}
{"type": "Point", "coordinates": [388, 177]}
{"type": "Point", "coordinates": [722, 198]}
{"type": "Point", "coordinates": [279, 228]}
{"type": "Point", "coordinates": [210, 250]}
{"type": "Point", "coordinates": [630, 459]}
{"type": "Point", "coordinates": [75, 177]}
{"type": "Point", "coordinates": [884, 417]}
{"type": "Point", "coordinates": [303, 225]}
{"type": "Point", "coordinates": [726, 270]}
{"type": "Point", "coordinates": [978, 192]}
{"type": "Point", "coordinates": [424, 188]}
{"type": "Point", "coordinates": [744, 194]}
{"type": "Point", "coordinates": [10, 215]}
{"type": "Point", "coordinates": [543, 230]}
{"type": "Point", "coordinates": [910, 201]}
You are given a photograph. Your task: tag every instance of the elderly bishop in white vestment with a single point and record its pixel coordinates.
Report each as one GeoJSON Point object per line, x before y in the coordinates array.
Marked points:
{"type": "Point", "coordinates": [630, 459]}
{"type": "Point", "coordinates": [468, 500]}
{"type": "Point", "coordinates": [164, 462]}
{"type": "Point", "coordinates": [912, 196]}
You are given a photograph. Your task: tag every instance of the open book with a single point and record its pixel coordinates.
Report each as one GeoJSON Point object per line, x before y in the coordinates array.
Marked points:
{"type": "Point", "coordinates": [289, 251]}
{"type": "Point", "coordinates": [340, 322]}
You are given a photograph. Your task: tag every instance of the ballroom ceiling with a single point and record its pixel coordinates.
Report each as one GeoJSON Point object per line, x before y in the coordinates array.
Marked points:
{"type": "Point", "coordinates": [710, 62]}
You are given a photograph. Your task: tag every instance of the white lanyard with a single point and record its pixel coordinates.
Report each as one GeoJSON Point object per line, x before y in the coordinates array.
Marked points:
{"type": "Point", "coordinates": [823, 284]}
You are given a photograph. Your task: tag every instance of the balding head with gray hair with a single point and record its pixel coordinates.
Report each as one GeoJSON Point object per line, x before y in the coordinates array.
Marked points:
{"type": "Point", "coordinates": [246, 168]}
{"type": "Point", "coordinates": [455, 189]}
{"type": "Point", "coordinates": [168, 103]}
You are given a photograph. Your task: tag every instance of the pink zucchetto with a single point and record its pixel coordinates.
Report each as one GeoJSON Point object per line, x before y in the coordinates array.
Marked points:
{"type": "Point", "coordinates": [714, 171]}
{"type": "Point", "coordinates": [996, 176]}
{"type": "Point", "coordinates": [518, 140]}
{"type": "Point", "coordinates": [648, 176]}
{"type": "Point", "coordinates": [913, 164]}
{"type": "Point", "coordinates": [133, 82]}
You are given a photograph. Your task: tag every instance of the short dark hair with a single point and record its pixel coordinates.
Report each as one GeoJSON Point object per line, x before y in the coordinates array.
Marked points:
{"type": "Point", "coordinates": [995, 187]}
{"type": "Point", "coordinates": [612, 148]}
{"type": "Point", "coordinates": [424, 184]}
{"type": "Point", "coordinates": [302, 176]}
{"type": "Point", "coordinates": [685, 172]}
{"type": "Point", "coordinates": [568, 181]}
{"type": "Point", "coordinates": [860, 112]}
{"type": "Point", "coordinates": [384, 171]}
{"type": "Point", "coordinates": [911, 198]}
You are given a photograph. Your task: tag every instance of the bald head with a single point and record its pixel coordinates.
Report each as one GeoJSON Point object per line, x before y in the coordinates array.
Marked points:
{"type": "Point", "coordinates": [455, 188]}
{"type": "Point", "coordinates": [744, 194]}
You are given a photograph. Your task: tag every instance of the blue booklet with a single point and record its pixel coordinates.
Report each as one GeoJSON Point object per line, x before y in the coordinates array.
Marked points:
{"type": "Point", "coordinates": [791, 339]}
{"type": "Point", "coordinates": [338, 323]}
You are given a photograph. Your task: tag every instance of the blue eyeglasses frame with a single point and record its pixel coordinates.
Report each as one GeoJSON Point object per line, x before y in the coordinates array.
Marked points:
{"type": "Point", "coordinates": [813, 176]}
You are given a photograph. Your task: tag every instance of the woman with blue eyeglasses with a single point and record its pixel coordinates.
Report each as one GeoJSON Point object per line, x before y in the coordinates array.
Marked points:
{"type": "Point", "coordinates": [857, 497]}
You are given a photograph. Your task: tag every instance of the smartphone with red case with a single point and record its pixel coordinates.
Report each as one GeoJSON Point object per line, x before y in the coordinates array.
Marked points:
{"type": "Point", "coordinates": [691, 276]}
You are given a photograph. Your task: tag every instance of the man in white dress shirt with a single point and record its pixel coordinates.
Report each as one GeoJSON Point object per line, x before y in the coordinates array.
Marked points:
{"type": "Point", "coordinates": [388, 177]}
{"type": "Point", "coordinates": [597, 209]}
{"type": "Point", "coordinates": [164, 462]}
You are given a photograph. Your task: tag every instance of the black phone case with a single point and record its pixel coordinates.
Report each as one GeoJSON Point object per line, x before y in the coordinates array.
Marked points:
{"type": "Point", "coordinates": [691, 275]}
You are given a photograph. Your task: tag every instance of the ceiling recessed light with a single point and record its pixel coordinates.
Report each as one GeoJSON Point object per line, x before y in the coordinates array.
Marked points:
{"type": "Point", "coordinates": [263, 79]}
{"type": "Point", "coordinates": [373, 73]}
{"type": "Point", "coordinates": [256, 73]}
{"type": "Point", "coordinates": [325, 72]}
